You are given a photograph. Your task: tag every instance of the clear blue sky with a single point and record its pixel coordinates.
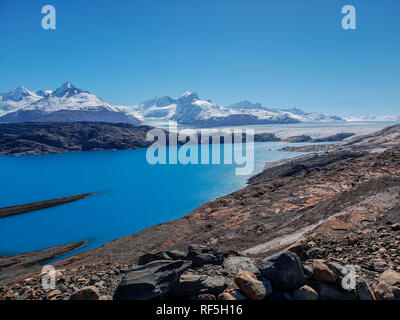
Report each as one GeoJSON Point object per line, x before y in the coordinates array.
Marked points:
{"type": "Point", "coordinates": [278, 52]}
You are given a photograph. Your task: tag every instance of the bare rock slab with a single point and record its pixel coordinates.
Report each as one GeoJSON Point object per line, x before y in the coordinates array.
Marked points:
{"type": "Point", "coordinates": [150, 281]}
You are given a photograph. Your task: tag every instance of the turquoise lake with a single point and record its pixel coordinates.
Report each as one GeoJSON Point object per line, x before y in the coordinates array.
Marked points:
{"type": "Point", "coordinates": [131, 194]}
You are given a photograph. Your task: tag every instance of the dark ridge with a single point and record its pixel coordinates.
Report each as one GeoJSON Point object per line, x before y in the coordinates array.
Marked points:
{"type": "Point", "coordinates": [29, 207]}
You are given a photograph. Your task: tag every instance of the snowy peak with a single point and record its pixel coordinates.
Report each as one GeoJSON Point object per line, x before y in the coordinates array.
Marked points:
{"type": "Point", "coordinates": [188, 95]}
{"type": "Point", "coordinates": [67, 90]}
{"type": "Point", "coordinates": [17, 94]}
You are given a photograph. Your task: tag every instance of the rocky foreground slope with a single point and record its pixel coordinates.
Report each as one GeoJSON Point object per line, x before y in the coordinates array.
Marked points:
{"type": "Point", "coordinates": [331, 209]}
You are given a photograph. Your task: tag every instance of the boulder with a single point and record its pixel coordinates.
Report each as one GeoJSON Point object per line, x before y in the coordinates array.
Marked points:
{"type": "Point", "coordinates": [202, 255]}
{"type": "Point", "coordinates": [161, 255]}
{"type": "Point", "coordinates": [191, 285]}
{"type": "Point", "coordinates": [321, 272]}
{"type": "Point", "coordinates": [234, 264]}
{"type": "Point", "coordinates": [86, 293]}
{"type": "Point", "coordinates": [329, 291]}
{"type": "Point", "coordinates": [390, 277]}
{"type": "Point", "coordinates": [250, 286]}
{"type": "Point", "coordinates": [284, 270]}
{"type": "Point", "coordinates": [305, 293]}
{"type": "Point", "coordinates": [149, 281]}
{"type": "Point", "coordinates": [364, 291]}
{"type": "Point", "coordinates": [383, 292]}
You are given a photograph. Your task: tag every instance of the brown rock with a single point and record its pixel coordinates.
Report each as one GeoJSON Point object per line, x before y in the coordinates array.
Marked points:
{"type": "Point", "coordinates": [305, 293]}
{"type": "Point", "coordinates": [250, 286]}
{"type": "Point", "coordinates": [322, 272]}
{"type": "Point", "coordinates": [390, 277]}
{"type": "Point", "coordinates": [53, 294]}
{"type": "Point", "coordinates": [86, 293]}
{"type": "Point", "coordinates": [226, 296]}
{"type": "Point", "coordinates": [352, 239]}
{"type": "Point", "coordinates": [383, 292]}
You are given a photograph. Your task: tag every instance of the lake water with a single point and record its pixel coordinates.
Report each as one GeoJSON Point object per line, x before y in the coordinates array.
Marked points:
{"type": "Point", "coordinates": [132, 194]}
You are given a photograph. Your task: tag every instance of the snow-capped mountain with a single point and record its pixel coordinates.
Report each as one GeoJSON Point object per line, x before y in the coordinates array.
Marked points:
{"type": "Point", "coordinates": [66, 103]}
{"type": "Point", "coordinates": [69, 103]}
{"type": "Point", "coordinates": [190, 109]}
{"type": "Point", "coordinates": [16, 98]}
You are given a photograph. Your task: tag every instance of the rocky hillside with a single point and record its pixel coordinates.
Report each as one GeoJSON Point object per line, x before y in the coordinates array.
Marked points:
{"type": "Point", "coordinates": [203, 273]}
{"type": "Point", "coordinates": [58, 137]}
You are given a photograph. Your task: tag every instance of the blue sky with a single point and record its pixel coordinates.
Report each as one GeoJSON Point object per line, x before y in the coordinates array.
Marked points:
{"type": "Point", "coordinates": [281, 53]}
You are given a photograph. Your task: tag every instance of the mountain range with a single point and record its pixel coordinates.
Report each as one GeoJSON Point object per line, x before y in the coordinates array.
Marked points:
{"type": "Point", "coordinates": [71, 104]}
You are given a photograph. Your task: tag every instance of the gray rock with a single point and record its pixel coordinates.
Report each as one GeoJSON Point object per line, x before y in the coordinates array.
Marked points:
{"type": "Point", "coordinates": [161, 255]}
{"type": "Point", "coordinates": [192, 285]}
{"type": "Point", "coordinates": [201, 255]}
{"type": "Point", "coordinates": [152, 280]}
{"type": "Point", "coordinates": [234, 264]}
{"type": "Point", "coordinates": [284, 270]}
{"type": "Point", "coordinates": [328, 291]}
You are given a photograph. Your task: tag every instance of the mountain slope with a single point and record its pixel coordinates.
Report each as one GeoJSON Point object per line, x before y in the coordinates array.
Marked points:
{"type": "Point", "coordinates": [16, 98]}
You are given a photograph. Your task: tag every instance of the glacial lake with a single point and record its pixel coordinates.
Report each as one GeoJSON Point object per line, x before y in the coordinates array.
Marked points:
{"type": "Point", "coordinates": [131, 194]}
